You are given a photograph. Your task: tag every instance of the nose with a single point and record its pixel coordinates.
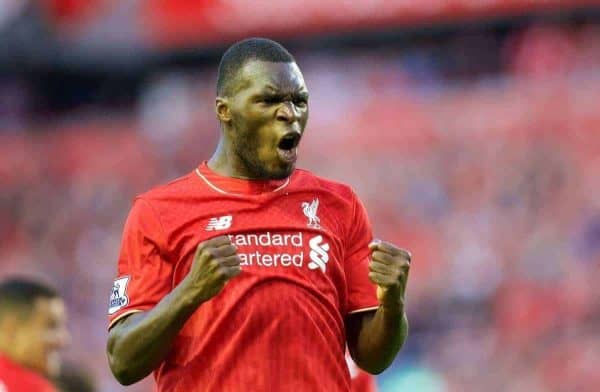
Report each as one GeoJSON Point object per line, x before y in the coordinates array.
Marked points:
{"type": "Point", "coordinates": [287, 112]}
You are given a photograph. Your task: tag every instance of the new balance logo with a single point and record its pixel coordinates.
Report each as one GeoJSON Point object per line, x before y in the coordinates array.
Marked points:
{"type": "Point", "coordinates": [318, 253]}
{"type": "Point", "coordinates": [219, 223]}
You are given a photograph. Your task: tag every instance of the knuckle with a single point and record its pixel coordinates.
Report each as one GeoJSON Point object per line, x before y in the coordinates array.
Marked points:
{"type": "Point", "coordinates": [200, 250]}
{"type": "Point", "coordinates": [397, 276]}
{"type": "Point", "coordinates": [221, 272]}
{"type": "Point", "coordinates": [204, 253]}
{"type": "Point", "coordinates": [213, 266]}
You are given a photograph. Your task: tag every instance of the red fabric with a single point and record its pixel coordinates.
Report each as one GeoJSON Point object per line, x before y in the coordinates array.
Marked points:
{"type": "Point", "coordinates": [280, 324]}
{"type": "Point", "coordinates": [361, 381]}
{"type": "Point", "coordinates": [15, 378]}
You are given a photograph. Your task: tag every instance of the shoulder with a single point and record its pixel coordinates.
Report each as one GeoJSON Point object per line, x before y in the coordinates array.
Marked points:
{"type": "Point", "coordinates": [153, 205]}
{"type": "Point", "coordinates": [307, 179]}
{"type": "Point", "coordinates": [177, 188]}
{"type": "Point", "coordinates": [15, 376]}
{"type": "Point", "coordinates": [40, 384]}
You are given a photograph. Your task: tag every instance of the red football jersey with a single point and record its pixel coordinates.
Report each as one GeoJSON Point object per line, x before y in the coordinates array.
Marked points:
{"type": "Point", "coordinates": [361, 381]}
{"type": "Point", "coordinates": [15, 378]}
{"type": "Point", "coordinates": [279, 325]}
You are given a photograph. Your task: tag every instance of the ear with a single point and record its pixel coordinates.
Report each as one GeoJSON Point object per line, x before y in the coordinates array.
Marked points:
{"type": "Point", "coordinates": [222, 110]}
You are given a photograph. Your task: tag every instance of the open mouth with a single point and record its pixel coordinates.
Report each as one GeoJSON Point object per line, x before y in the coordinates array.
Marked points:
{"type": "Point", "coordinates": [289, 141]}
{"type": "Point", "coordinates": [287, 147]}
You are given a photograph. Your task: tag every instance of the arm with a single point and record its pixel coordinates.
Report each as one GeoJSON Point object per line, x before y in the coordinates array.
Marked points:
{"type": "Point", "coordinates": [375, 338]}
{"type": "Point", "coordinates": [138, 343]}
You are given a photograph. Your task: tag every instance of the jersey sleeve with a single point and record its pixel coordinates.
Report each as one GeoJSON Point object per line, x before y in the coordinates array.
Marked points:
{"type": "Point", "coordinates": [362, 293]}
{"type": "Point", "coordinates": [144, 274]}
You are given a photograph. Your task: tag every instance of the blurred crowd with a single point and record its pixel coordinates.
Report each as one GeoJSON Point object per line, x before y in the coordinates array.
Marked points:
{"type": "Point", "coordinates": [492, 179]}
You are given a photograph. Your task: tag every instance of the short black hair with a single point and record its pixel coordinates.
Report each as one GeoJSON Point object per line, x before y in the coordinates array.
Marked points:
{"type": "Point", "coordinates": [20, 294]}
{"type": "Point", "coordinates": [238, 54]}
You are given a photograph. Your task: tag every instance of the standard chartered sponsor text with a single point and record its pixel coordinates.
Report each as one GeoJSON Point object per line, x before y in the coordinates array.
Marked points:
{"type": "Point", "coordinates": [286, 258]}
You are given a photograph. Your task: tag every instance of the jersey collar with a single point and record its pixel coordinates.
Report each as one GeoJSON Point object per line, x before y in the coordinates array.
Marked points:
{"type": "Point", "coordinates": [237, 186]}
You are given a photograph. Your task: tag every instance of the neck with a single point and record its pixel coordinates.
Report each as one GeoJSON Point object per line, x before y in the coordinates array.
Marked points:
{"type": "Point", "coordinates": [227, 163]}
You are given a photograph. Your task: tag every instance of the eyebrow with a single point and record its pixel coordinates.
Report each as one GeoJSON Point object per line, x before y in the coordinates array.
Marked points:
{"type": "Point", "coordinates": [274, 91]}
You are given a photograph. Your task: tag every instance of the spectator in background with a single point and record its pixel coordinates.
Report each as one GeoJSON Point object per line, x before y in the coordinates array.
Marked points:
{"type": "Point", "coordinates": [74, 378]}
{"type": "Point", "coordinates": [32, 333]}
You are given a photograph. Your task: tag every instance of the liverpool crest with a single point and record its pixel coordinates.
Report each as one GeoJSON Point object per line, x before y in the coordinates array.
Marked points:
{"type": "Point", "coordinates": [310, 210]}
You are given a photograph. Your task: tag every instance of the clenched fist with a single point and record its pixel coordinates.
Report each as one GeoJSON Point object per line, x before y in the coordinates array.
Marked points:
{"type": "Point", "coordinates": [215, 263]}
{"type": "Point", "coordinates": [389, 269]}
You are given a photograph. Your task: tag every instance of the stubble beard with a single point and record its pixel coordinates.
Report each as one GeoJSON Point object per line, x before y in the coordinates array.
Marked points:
{"type": "Point", "coordinates": [257, 169]}
{"type": "Point", "coordinates": [246, 149]}
{"type": "Point", "coordinates": [246, 153]}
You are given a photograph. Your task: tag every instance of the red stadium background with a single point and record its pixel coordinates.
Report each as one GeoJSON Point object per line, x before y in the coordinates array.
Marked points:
{"type": "Point", "coordinates": [470, 129]}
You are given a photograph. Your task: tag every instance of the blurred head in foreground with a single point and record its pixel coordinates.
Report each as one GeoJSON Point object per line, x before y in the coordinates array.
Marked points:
{"type": "Point", "coordinates": [74, 378]}
{"type": "Point", "coordinates": [32, 325]}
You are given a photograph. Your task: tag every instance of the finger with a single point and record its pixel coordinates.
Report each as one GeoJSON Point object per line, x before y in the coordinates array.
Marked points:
{"type": "Point", "coordinates": [215, 242]}
{"type": "Point", "coordinates": [223, 273]}
{"type": "Point", "coordinates": [391, 261]}
{"type": "Point", "coordinates": [396, 262]}
{"type": "Point", "coordinates": [389, 248]}
{"type": "Point", "coordinates": [383, 280]}
{"type": "Point", "coordinates": [406, 254]}
{"type": "Point", "coordinates": [376, 266]}
{"type": "Point", "coordinates": [384, 246]}
{"type": "Point", "coordinates": [230, 261]}
{"type": "Point", "coordinates": [231, 272]}
{"type": "Point", "coordinates": [222, 251]}
{"type": "Point", "coordinates": [384, 258]}
{"type": "Point", "coordinates": [394, 274]}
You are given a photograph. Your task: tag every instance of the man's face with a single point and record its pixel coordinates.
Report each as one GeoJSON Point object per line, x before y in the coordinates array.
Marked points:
{"type": "Point", "coordinates": [43, 334]}
{"type": "Point", "coordinates": [269, 110]}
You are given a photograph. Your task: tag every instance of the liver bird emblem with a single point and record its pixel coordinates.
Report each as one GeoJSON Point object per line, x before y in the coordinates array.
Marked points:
{"type": "Point", "coordinates": [310, 210]}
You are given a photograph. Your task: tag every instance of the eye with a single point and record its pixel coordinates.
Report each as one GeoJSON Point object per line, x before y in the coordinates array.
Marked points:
{"type": "Point", "coordinates": [270, 100]}
{"type": "Point", "coordinates": [300, 101]}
